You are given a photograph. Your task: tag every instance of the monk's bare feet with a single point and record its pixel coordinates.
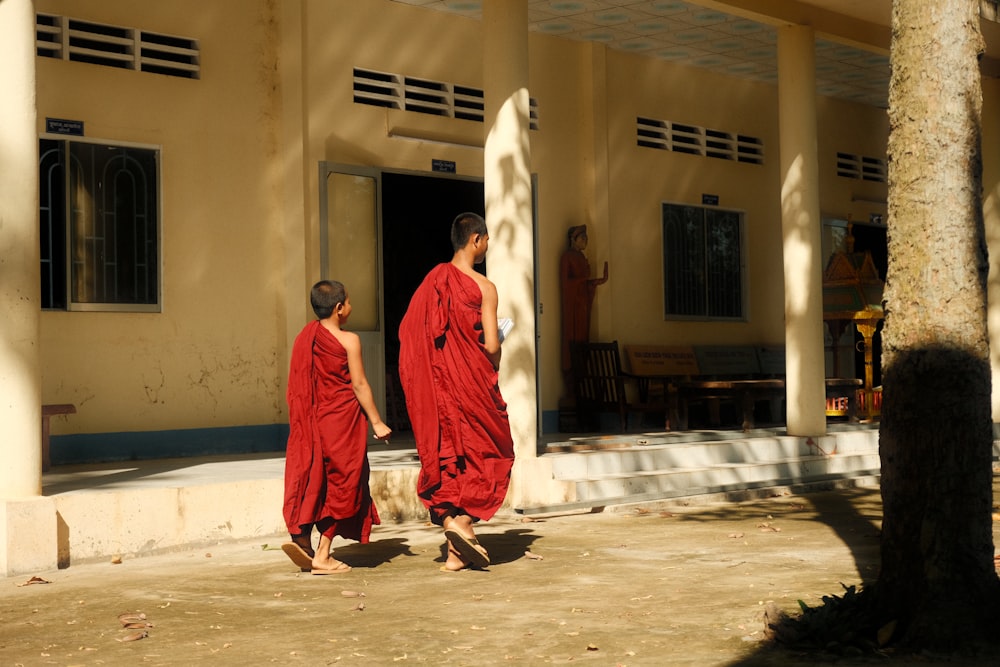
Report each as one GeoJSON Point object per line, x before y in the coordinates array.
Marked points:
{"type": "Point", "coordinates": [454, 563]}
{"type": "Point", "coordinates": [329, 565]}
{"type": "Point", "coordinates": [324, 562]}
{"type": "Point", "coordinates": [462, 540]}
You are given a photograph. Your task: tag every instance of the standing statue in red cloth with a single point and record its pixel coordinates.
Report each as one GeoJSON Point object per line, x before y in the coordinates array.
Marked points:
{"type": "Point", "coordinates": [578, 290]}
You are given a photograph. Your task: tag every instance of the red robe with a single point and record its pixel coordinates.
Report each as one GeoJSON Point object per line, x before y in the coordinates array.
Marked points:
{"type": "Point", "coordinates": [453, 398]}
{"type": "Point", "coordinates": [326, 461]}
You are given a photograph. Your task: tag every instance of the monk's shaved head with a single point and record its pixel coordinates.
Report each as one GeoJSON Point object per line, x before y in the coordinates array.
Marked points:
{"type": "Point", "coordinates": [465, 226]}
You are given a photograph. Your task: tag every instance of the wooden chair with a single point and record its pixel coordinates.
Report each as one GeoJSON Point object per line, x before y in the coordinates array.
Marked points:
{"type": "Point", "coordinates": [598, 383]}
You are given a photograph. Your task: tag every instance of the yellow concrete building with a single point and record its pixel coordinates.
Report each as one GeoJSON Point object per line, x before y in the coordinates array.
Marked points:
{"type": "Point", "coordinates": [204, 163]}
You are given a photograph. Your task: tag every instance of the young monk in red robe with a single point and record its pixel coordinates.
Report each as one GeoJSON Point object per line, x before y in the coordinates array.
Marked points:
{"type": "Point", "coordinates": [326, 461]}
{"type": "Point", "coordinates": [448, 362]}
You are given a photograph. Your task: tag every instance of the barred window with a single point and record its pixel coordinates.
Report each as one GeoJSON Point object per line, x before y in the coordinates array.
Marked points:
{"type": "Point", "coordinates": [99, 216]}
{"type": "Point", "coordinates": [703, 263]}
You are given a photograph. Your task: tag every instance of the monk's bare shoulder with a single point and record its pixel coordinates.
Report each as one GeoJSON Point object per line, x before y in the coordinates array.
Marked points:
{"type": "Point", "coordinates": [485, 285]}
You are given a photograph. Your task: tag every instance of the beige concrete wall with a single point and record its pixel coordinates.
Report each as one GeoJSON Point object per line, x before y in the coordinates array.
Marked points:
{"type": "Point", "coordinates": [859, 130]}
{"type": "Point", "coordinates": [240, 222]}
{"type": "Point", "coordinates": [211, 357]}
{"type": "Point", "coordinates": [643, 178]}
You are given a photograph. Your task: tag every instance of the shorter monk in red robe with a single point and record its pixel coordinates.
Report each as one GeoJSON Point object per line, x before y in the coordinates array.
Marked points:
{"type": "Point", "coordinates": [448, 362]}
{"type": "Point", "coordinates": [326, 460]}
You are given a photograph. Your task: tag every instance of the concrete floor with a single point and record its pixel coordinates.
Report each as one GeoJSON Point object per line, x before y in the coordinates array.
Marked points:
{"type": "Point", "coordinates": [679, 583]}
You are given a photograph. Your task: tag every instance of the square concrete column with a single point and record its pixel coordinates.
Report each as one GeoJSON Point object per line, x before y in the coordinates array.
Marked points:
{"type": "Point", "coordinates": [27, 521]}
{"type": "Point", "coordinates": [507, 184]}
{"type": "Point", "coordinates": [800, 223]}
{"type": "Point", "coordinates": [28, 535]}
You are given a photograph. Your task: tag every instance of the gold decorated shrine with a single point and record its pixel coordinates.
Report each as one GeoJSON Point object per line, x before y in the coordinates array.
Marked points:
{"type": "Point", "coordinates": [852, 293]}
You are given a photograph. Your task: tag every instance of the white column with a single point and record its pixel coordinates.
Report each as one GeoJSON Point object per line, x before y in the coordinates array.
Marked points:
{"type": "Point", "coordinates": [28, 532]}
{"type": "Point", "coordinates": [801, 234]}
{"type": "Point", "coordinates": [507, 169]}
{"type": "Point", "coordinates": [20, 378]}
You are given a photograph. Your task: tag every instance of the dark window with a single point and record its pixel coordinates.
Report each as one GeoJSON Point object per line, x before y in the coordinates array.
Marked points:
{"type": "Point", "coordinates": [99, 215]}
{"type": "Point", "coordinates": [702, 262]}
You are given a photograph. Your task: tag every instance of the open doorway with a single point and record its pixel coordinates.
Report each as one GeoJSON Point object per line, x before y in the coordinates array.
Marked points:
{"type": "Point", "coordinates": [417, 212]}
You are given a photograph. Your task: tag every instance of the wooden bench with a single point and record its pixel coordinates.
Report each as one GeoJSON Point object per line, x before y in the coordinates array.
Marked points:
{"type": "Point", "coordinates": [743, 375]}
{"type": "Point", "coordinates": [657, 369]}
{"type": "Point", "coordinates": [47, 412]}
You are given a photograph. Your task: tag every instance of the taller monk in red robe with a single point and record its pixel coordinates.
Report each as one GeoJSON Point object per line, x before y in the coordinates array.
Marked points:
{"type": "Point", "coordinates": [448, 362]}
{"type": "Point", "coordinates": [326, 460]}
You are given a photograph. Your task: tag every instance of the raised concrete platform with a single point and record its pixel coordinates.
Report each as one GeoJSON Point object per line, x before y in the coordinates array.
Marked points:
{"type": "Point", "coordinates": [144, 507]}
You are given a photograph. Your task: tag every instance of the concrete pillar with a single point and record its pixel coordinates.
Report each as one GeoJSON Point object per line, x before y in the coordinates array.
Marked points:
{"type": "Point", "coordinates": [801, 233]}
{"type": "Point", "coordinates": [27, 521]}
{"type": "Point", "coordinates": [507, 175]}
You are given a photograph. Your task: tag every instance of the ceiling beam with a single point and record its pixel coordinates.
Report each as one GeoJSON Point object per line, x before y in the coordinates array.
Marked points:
{"type": "Point", "coordinates": [829, 24]}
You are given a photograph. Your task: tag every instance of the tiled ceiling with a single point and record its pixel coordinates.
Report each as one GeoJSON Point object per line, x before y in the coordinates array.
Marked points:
{"type": "Point", "coordinates": [695, 36]}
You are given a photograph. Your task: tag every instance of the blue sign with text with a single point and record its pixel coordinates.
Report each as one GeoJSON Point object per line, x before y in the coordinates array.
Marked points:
{"type": "Point", "coordinates": [62, 126]}
{"type": "Point", "coordinates": [446, 166]}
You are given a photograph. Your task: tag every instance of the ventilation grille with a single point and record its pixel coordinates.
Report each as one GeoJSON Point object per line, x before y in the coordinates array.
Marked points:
{"type": "Point", "coordinates": [861, 168]}
{"type": "Point", "coordinates": [396, 91]}
{"type": "Point", "coordinates": [115, 46]}
{"type": "Point", "coordinates": [679, 138]}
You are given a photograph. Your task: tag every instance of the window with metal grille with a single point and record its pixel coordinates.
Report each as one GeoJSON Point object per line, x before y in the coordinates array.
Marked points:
{"type": "Point", "coordinates": [437, 98]}
{"type": "Point", "coordinates": [99, 217]}
{"type": "Point", "coordinates": [116, 46]}
{"type": "Point", "coordinates": [703, 263]}
{"type": "Point", "coordinates": [861, 167]}
{"type": "Point", "coordinates": [693, 140]}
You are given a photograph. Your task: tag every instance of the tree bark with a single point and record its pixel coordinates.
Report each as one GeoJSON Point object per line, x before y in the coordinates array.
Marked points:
{"type": "Point", "coordinates": [937, 580]}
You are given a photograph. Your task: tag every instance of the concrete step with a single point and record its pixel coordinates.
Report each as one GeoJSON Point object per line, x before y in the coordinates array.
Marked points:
{"type": "Point", "coordinates": [699, 454]}
{"type": "Point", "coordinates": [633, 468]}
{"type": "Point", "coordinates": [609, 488]}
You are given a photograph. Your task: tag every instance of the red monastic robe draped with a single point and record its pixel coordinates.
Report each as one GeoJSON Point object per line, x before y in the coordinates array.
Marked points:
{"type": "Point", "coordinates": [326, 461]}
{"type": "Point", "coordinates": [453, 398]}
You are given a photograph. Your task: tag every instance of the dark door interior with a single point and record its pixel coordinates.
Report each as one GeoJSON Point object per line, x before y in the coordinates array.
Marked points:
{"type": "Point", "coordinates": [417, 212]}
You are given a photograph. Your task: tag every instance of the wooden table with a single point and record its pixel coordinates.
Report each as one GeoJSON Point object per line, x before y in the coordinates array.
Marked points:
{"type": "Point", "coordinates": [746, 393]}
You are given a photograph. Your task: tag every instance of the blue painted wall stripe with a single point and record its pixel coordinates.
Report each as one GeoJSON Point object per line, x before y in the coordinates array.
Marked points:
{"type": "Point", "coordinates": [139, 445]}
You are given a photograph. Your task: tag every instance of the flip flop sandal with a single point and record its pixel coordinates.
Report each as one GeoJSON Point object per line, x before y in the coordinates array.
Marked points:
{"type": "Point", "coordinates": [468, 548]}
{"type": "Point", "coordinates": [298, 555]}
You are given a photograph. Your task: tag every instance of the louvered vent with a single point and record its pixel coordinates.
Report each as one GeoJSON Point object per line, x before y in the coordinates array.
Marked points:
{"type": "Point", "coordinates": [437, 98]}
{"type": "Point", "coordinates": [378, 89]}
{"type": "Point", "coordinates": [861, 168]}
{"type": "Point", "coordinates": [115, 46]}
{"type": "Point", "coordinates": [693, 140]}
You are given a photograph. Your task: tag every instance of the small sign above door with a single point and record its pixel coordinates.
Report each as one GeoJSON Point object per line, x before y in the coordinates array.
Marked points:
{"type": "Point", "coordinates": [62, 126]}
{"type": "Point", "coordinates": [445, 166]}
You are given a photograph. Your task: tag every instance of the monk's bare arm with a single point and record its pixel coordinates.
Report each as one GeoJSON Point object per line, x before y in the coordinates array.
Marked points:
{"type": "Point", "coordinates": [359, 383]}
{"type": "Point", "coordinates": [491, 335]}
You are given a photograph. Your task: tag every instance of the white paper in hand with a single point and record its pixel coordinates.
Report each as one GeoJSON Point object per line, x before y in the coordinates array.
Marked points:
{"type": "Point", "coordinates": [504, 325]}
